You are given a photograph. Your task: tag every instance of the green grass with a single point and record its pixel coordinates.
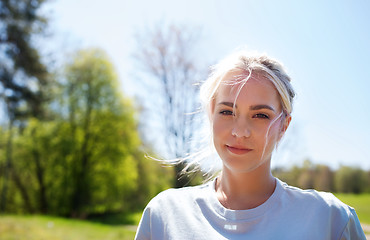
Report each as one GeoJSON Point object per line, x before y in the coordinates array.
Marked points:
{"type": "Point", "coordinates": [360, 202]}
{"type": "Point", "coordinates": [14, 227]}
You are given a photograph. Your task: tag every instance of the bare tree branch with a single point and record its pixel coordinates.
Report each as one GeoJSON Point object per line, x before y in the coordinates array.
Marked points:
{"type": "Point", "coordinates": [164, 53]}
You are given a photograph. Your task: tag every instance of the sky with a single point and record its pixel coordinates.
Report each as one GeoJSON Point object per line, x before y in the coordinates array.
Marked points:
{"type": "Point", "coordinates": [323, 44]}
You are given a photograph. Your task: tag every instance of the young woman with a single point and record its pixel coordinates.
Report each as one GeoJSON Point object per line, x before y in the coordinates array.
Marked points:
{"type": "Point", "coordinates": [249, 104]}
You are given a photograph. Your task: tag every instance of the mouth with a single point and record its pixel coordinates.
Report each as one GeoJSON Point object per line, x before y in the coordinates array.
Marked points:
{"type": "Point", "coordinates": [238, 150]}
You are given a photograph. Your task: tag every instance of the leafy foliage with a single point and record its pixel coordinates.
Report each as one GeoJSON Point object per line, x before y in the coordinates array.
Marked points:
{"type": "Point", "coordinates": [87, 160]}
{"type": "Point", "coordinates": [346, 179]}
{"type": "Point", "coordinates": [23, 76]}
{"type": "Point", "coordinates": [24, 79]}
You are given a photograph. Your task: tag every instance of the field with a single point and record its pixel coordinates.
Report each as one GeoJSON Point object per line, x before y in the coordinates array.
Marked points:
{"type": "Point", "coordinates": [52, 228]}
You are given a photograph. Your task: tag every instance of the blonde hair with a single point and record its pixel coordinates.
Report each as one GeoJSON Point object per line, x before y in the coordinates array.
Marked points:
{"type": "Point", "coordinates": [249, 62]}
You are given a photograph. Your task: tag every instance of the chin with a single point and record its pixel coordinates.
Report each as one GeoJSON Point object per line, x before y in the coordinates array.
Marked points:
{"type": "Point", "coordinates": [245, 166]}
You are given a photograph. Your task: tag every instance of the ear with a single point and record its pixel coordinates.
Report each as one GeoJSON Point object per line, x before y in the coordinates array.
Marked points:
{"type": "Point", "coordinates": [285, 125]}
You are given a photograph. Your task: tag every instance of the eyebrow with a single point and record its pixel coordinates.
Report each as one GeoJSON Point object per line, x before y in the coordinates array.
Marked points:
{"type": "Point", "coordinates": [253, 107]}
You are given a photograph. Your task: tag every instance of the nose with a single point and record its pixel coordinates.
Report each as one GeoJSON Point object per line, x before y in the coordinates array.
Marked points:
{"type": "Point", "coordinates": [240, 129]}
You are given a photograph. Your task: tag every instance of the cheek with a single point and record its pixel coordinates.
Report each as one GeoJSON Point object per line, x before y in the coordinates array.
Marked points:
{"type": "Point", "coordinates": [220, 128]}
{"type": "Point", "coordinates": [217, 129]}
{"type": "Point", "coordinates": [273, 133]}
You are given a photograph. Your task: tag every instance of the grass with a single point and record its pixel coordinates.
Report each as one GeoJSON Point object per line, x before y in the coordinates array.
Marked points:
{"type": "Point", "coordinates": [14, 227]}
{"type": "Point", "coordinates": [360, 202]}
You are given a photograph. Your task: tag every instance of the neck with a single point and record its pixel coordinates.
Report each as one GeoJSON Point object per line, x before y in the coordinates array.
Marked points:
{"type": "Point", "coordinates": [239, 191]}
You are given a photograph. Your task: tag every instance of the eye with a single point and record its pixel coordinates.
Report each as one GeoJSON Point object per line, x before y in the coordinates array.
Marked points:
{"type": "Point", "coordinates": [261, 116]}
{"type": "Point", "coordinates": [226, 112]}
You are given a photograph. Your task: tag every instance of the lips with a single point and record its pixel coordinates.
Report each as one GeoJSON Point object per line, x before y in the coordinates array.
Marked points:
{"type": "Point", "coordinates": [238, 150]}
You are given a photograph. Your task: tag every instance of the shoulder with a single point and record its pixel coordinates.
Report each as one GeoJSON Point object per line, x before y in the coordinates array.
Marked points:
{"type": "Point", "coordinates": [171, 205]}
{"type": "Point", "coordinates": [178, 196]}
{"type": "Point", "coordinates": [313, 197]}
{"type": "Point", "coordinates": [323, 208]}
{"type": "Point", "coordinates": [168, 212]}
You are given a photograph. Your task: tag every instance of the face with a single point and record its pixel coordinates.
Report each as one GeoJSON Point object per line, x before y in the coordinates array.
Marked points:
{"type": "Point", "coordinates": [247, 121]}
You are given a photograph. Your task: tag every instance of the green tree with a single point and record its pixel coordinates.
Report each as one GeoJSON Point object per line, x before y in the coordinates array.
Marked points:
{"type": "Point", "coordinates": [306, 178]}
{"type": "Point", "coordinates": [103, 132]}
{"type": "Point", "coordinates": [319, 177]}
{"type": "Point", "coordinates": [367, 179]}
{"type": "Point", "coordinates": [22, 73]}
{"type": "Point", "coordinates": [290, 176]}
{"type": "Point", "coordinates": [350, 180]}
{"type": "Point", "coordinates": [84, 161]}
{"type": "Point", "coordinates": [324, 178]}
{"type": "Point", "coordinates": [88, 159]}
{"type": "Point", "coordinates": [23, 77]}
{"type": "Point", "coordinates": [153, 179]}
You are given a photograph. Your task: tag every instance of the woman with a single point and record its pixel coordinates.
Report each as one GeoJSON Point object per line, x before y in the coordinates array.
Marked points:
{"type": "Point", "coordinates": [249, 103]}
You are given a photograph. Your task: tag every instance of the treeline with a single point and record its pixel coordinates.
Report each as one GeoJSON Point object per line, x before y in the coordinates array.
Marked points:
{"type": "Point", "coordinates": [345, 179]}
{"type": "Point", "coordinates": [86, 157]}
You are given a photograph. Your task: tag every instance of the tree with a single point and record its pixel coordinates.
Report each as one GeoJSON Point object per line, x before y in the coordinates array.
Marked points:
{"type": "Point", "coordinates": [88, 159]}
{"type": "Point", "coordinates": [320, 177]}
{"type": "Point", "coordinates": [306, 178]}
{"type": "Point", "coordinates": [153, 179]}
{"type": "Point", "coordinates": [324, 179]}
{"type": "Point", "coordinates": [290, 176]}
{"type": "Point", "coordinates": [164, 54]}
{"type": "Point", "coordinates": [23, 76]}
{"type": "Point", "coordinates": [350, 180]}
{"type": "Point", "coordinates": [22, 73]}
{"type": "Point", "coordinates": [103, 134]}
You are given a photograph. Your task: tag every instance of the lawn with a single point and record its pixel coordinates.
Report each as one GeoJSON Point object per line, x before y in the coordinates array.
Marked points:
{"type": "Point", "coordinates": [360, 202]}
{"type": "Point", "coordinates": [53, 228]}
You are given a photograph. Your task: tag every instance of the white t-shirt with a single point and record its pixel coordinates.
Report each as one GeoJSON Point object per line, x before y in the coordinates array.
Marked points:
{"type": "Point", "coordinates": [290, 213]}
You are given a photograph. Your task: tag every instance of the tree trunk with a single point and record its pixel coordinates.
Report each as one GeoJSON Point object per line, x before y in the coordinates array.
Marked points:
{"type": "Point", "coordinates": [82, 191]}
{"type": "Point", "coordinates": [8, 167]}
{"type": "Point", "coordinates": [23, 190]}
{"type": "Point", "coordinates": [40, 174]}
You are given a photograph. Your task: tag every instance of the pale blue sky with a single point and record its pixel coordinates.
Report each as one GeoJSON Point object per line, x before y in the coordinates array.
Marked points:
{"type": "Point", "coordinates": [323, 44]}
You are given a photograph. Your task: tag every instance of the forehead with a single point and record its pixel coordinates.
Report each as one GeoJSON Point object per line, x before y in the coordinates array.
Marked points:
{"type": "Point", "coordinates": [257, 89]}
